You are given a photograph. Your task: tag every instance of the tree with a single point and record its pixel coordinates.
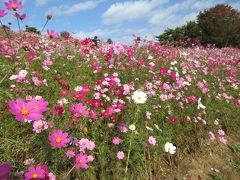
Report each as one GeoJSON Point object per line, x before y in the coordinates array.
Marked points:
{"type": "Point", "coordinates": [180, 35]}
{"type": "Point", "coordinates": [220, 25]}
{"type": "Point", "coordinates": [32, 30]}
{"type": "Point", "coordinates": [109, 41]}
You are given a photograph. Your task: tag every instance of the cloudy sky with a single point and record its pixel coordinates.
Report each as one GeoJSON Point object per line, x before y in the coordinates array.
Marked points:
{"type": "Point", "coordinates": [115, 19]}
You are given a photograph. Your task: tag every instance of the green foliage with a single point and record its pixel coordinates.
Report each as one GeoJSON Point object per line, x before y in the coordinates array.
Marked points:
{"type": "Point", "coordinates": [188, 32]}
{"type": "Point", "coordinates": [32, 30]}
{"type": "Point", "coordinates": [220, 25]}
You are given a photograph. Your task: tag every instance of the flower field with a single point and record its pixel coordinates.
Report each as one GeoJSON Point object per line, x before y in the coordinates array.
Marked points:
{"type": "Point", "coordinates": [72, 110]}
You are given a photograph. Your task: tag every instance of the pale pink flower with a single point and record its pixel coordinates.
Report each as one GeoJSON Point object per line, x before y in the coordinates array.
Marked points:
{"type": "Point", "coordinates": [120, 155]}
{"type": "Point", "coordinates": [152, 140]}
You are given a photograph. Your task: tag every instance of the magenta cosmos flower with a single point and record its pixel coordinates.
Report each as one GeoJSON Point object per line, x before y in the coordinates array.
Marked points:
{"type": "Point", "coordinates": [2, 13]}
{"type": "Point", "coordinates": [35, 173]}
{"type": "Point", "coordinates": [59, 139]}
{"type": "Point", "coordinates": [24, 111]}
{"type": "Point", "coordinates": [81, 161]}
{"type": "Point", "coordinates": [21, 17]}
{"type": "Point", "coordinates": [39, 105]}
{"type": "Point", "coordinates": [53, 34]}
{"type": "Point", "coordinates": [13, 5]}
{"type": "Point", "coordinates": [79, 110]}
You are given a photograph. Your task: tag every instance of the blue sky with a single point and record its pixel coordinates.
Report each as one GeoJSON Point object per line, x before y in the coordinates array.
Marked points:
{"type": "Point", "coordinates": [115, 19]}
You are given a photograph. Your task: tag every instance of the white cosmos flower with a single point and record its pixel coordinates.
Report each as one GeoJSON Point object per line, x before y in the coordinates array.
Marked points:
{"type": "Point", "coordinates": [132, 127]}
{"type": "Point", "coordinates": [139, 97]}
{"type": "Point", "coordinates": [200, 105]}
{"type": "Point", "coordinates": [169, 147]}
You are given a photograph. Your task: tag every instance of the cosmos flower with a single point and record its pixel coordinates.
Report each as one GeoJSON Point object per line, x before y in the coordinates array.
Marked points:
{"type": "Point", "coordinates": [139, 97]}
{"type": "Point", "coordinates": [170, 148]}
{"type": "Point", "coordinates": [79, 110]}
{"type": "Point", "coordinates": [2, 13]}
{"type": "Point", "coordinates": [13, 5]}
{"type": "Point", "coordinates": [24, 111]}
{"type": "Point", "coordinates": [5, 169]}
{"type": "Point", "coordinates": [81, 161]}
{"type": "Point", "coordinates": [116, 140]}
{"type": "Point", "coordinates": [39, 126]}
{"type": "Point", "coordinates": [52, 34]}
{"type": "Point", "coordinates": [132, 127]}
{"type": "Point", "coordinates": [59, 139]}
{"type": "Point", "coordinates": [39, 105]}
{"type": "Point", "coordinates": [70, 154]}
{"type": "Point", "coordinates": [152, 140]}
{"type": "Point", "coordinates": [35, 173]}
{"type": "Point", "coordinates": [120, 155]}
{"type": "Point", "coordinates": [21, 17]}
{"type": "Point", "coordinates": [200, 105]}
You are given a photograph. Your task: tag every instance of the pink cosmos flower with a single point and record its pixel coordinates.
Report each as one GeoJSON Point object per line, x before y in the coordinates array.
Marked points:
{"type": "Point", "coordinates": [148, 114]}
{"type": "Point", "coordinates": [83, 143]}
{"type": "Point", "coordinates": [90, 158]}
{"type": "Point", "coordinates": [28, 162]}
{"type": "Point", "coordinates": [21, 17]}
{"type": "Point", "coordinates": [53, 34]}
{"type": "Point", "coordinates": [39, 126]}
{"type": "Point", "coordinates": [165, 86]}
{"type": "Point", "coordinates": [35, 173]}
{"type": "Point", "coordinates": [24, 111]}
{"type": "Point", "coordinates": [90, 145]}
{"type": "Point", "coordinates": [2, 13]}
{"type": "Point", "coordinates": [39, 105]}
{"type": "Point", "coordinates": [58, 110]}
{"type": "Point", "coordinates": [221, 132]}
{"type": "Point", "coordinates": [13, 5]}
{"type": "Point", "coordinates": [122, 127]}
{"type": "Point", "coordinates": [152, 140]}
{"type": "Point", "coordinates": [116, 140]}
{"type": "Point", "coordinates": [81, 161]}
{"type": "Point", "coordinates": [70, 154]}
{"type": "Point", "coordinates": [211, 136]}
{"type": "Point", "coordinates": [192, 99]}
{"type": "Point", "coordinates": [93, 114]}
{"type": "Point", "coordinates": [79, 110]}
{"type": "Point", "coordinates": [223, 140]}
{"type": "Point", "coordinates": [58, 139]}
{"type": "Point", "coordinates": [31, 56]}
{"type": "Point", "coordinates": [120, 155]}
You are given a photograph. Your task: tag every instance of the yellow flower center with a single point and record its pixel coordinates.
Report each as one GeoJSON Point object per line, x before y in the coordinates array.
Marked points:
{"type": "Point", "coordinates": [36, 106]}
{"type": "Point", "coordinates": [24, 111]}
{"type": "Point", "coordinates": [58, 140]}
{"type": "Point", "coordinates": [80, 161]}
{"type": "Point", "coordinates": [40, 127]}
{"type": "Point", "coordinates": [80, 111]}
{"type": "Point", "coordinates": [14, 7]}
{"type": "Point", "coordinates": [35, 175]}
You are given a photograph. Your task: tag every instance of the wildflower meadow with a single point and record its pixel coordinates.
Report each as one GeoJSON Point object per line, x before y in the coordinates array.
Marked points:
{"type": "Point", "coordinates": [71, 109]}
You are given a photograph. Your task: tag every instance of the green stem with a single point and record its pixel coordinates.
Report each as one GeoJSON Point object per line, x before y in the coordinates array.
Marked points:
{"type": "Point", "coordinates": [44, 26]}
{"type": "Point", "coordinates": [69, 172]}
{"type": "Point", "coordinates": [128, 156]}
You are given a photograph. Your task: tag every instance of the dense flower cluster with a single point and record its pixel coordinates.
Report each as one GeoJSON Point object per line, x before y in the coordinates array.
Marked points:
{"type": "Point", "coordinates": [86, 103]}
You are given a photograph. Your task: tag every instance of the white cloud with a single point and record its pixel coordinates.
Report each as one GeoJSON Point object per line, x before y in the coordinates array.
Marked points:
{"type": "Point", "coordinates": [235, 5]}
{"type": "Point", "coordinates": [42, 2]}
{"type": "Point", "coordinates": [74, 8]}
{"type": "Point", "coordinates": [120, 35]}
{"type": "Point", "coordinates": [173, 15]}
{"type": "Point", "coordinates": [129, 10]}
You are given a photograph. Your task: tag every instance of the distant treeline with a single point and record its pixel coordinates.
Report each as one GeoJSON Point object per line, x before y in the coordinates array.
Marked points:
{"type": "Point", "coordinates": [219, 26]}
